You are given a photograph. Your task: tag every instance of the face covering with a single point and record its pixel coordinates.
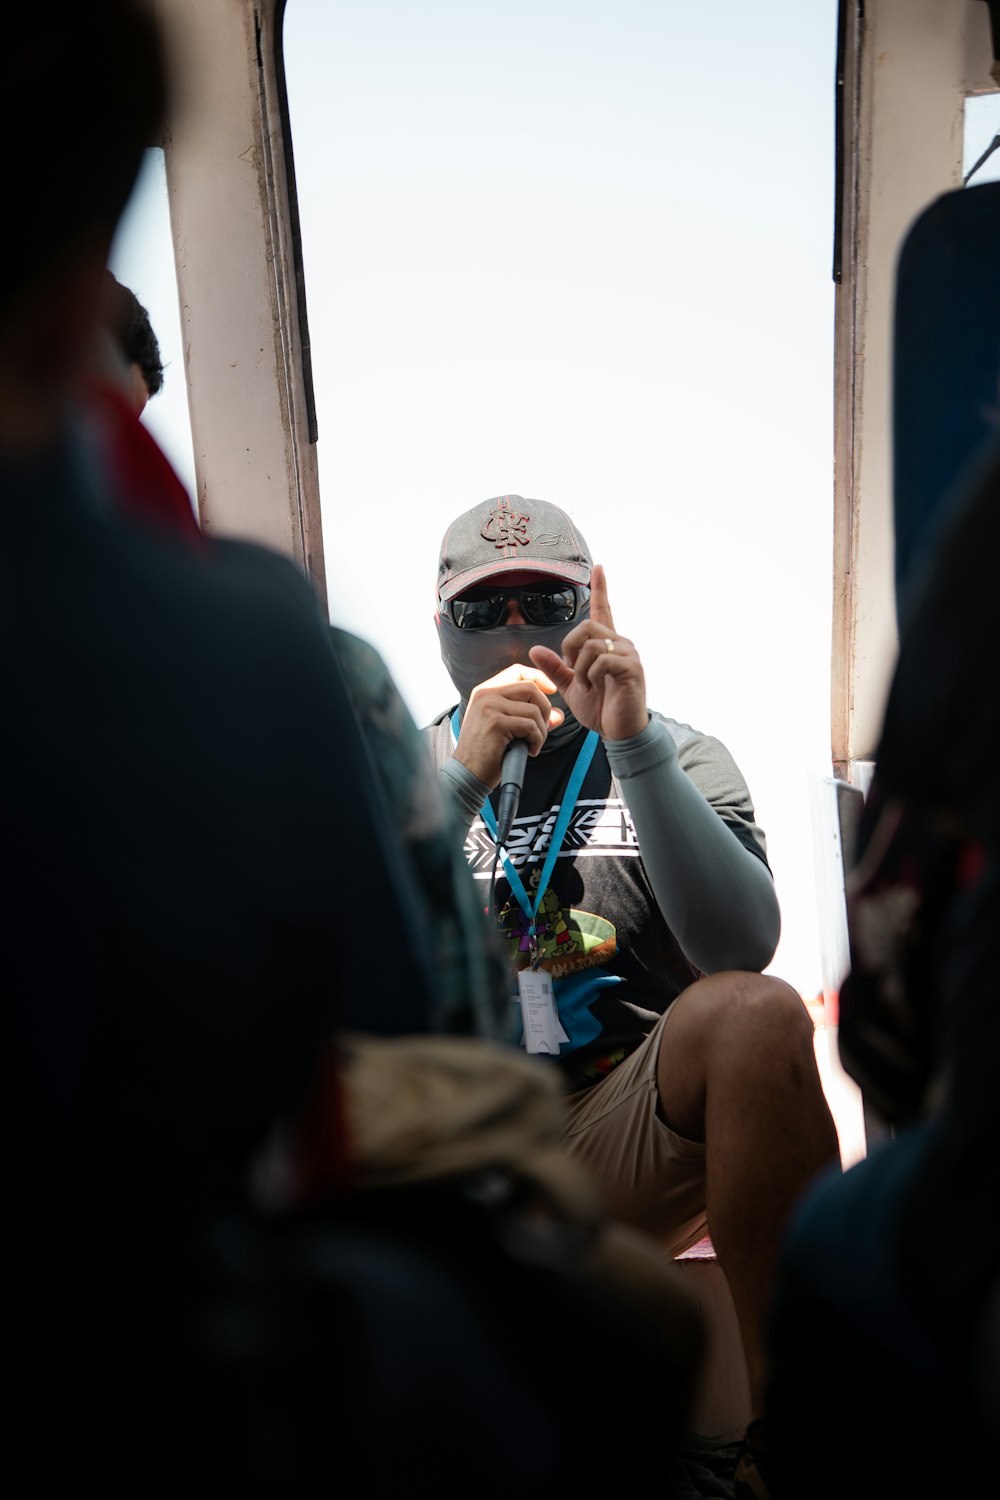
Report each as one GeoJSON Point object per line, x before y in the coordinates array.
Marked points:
{"type": "Point", "coordinates": [474, 656]}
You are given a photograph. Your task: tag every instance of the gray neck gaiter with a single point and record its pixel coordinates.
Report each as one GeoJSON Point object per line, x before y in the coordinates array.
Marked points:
{"type": "Point", "coordinates": [474, 656]}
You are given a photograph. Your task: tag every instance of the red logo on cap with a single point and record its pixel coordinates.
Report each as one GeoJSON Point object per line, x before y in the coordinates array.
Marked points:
{"type": "Point", "coordinates": [506, 528]}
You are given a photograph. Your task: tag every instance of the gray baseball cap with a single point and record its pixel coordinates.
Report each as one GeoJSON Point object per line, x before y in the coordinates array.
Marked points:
{"type": "Point", "coordinates": [508, 534]}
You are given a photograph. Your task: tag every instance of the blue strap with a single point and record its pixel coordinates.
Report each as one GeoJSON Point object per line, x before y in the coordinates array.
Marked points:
{"type": "Point", "coordinates": [580, 768]}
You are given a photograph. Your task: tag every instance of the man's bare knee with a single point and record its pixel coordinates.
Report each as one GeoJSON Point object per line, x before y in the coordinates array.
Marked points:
{"type": "Point", "coordinates": [727, 1026]}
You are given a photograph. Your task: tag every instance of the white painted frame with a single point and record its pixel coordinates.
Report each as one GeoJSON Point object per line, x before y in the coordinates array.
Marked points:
{"type": "Point", "coordinates": [908, 67]}
{"type": "Point", "coordinates": [233, 218]}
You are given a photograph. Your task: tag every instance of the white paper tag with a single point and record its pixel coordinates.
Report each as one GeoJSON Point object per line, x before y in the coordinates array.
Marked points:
{"type": "Point", "coordinates": [542, 1031]}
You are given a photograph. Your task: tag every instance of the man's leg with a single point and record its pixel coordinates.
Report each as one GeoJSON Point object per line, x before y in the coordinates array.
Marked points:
{"type": "Point", "coordinates": [737, 1070]}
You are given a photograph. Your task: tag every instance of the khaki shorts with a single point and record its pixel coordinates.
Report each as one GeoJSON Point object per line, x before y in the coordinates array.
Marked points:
{"type": "Point", "coordinates": [649, 1175]}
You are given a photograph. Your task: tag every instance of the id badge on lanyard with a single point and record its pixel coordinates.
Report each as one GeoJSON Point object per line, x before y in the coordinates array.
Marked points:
{"type": "Point", "coordinates": [543, 1030]}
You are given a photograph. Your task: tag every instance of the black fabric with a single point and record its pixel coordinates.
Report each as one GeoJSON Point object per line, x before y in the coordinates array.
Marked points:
{"type": "Point", "coordinates": [416, 1341]}
{"type": "Point", "coordinates": [886, 1305]}
{"type": "Point", "coordinates": [197, 872]}
{"type": "Point", "coordinates": [942, 720]}
{"type": "Point", "coordinates": [944, 369]}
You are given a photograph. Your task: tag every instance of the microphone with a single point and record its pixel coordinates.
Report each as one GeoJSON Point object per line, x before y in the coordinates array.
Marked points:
{"type": "Point", "coordinates": [515, 758]}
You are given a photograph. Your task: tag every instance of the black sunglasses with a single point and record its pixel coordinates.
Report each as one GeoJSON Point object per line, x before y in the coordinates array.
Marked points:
{"type": "Point", "coordinates": [484, 608]}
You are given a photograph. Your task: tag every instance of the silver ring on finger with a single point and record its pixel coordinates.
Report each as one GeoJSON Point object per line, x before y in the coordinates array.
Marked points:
{"type": "Point", "coordinates": [609, 644]}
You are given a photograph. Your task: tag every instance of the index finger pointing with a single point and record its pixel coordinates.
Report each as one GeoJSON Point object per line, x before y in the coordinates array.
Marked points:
{"type": "Point", "coordinates": [600, 609]}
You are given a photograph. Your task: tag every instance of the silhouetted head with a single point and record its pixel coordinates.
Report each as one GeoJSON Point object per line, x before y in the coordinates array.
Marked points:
{"type": "Point", "coordinates": [134, 338]}
{"type": "Point", "coordinates": [82, 84]}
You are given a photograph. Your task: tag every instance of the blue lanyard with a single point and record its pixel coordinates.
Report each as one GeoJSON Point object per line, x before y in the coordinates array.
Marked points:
{"type": "Point", "coordinates": [579, 771]}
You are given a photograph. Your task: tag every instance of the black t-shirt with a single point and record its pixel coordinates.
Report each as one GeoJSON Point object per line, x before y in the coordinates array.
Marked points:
{"type": "Point", "coordinates": [615, 963]}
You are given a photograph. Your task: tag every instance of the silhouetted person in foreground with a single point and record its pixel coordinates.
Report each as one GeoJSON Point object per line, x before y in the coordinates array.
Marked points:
{"type": "Point", "coordinates": [887, 1339]}
{"type": "Point", "coordinates": [179, 759]}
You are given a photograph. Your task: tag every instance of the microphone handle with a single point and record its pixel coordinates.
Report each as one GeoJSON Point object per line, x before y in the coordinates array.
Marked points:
{"type": "Point", "coordinates": [515, 758]}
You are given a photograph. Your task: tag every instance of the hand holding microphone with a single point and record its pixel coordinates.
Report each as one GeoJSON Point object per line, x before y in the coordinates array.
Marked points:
{"type": "Point", "coordinates": [506, 720]}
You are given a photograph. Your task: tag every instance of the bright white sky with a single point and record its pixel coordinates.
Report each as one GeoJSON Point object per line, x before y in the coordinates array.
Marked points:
{"type": "Point", "coordinates": [580, 252]}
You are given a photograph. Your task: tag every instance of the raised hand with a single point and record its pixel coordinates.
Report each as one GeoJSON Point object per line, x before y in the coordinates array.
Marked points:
{"type": "Point", "coordinates": [510, 706]}
{"type": "Point", "coordinates": [599, 673]}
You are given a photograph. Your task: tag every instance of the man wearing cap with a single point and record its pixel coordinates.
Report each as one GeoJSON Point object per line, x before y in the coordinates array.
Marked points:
{"type": "Point", "coordinates": [633, 874]}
